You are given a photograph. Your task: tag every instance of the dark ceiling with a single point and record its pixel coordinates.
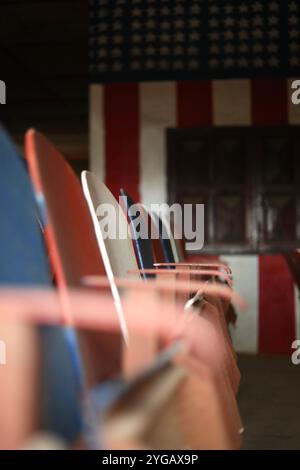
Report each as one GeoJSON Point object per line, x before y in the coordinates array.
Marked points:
{"type": "Point", "coordinates": [43, 60]}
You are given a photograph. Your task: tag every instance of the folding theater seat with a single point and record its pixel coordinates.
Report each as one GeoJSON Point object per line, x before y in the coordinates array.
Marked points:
{"type": "Point", "coordinates": [72, 245]}
{"type": "Point", "coordinates": [66, 214]}
{"type": "Point", "coordinates": [120, 253]}
{"type": "Point", "coordinates": [152, 254]}
{"type": "Point", "coordinates": [40, 359]}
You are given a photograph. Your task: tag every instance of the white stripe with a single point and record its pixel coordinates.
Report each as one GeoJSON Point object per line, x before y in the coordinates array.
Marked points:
{"type": "Point", "coordinates": [97, 131]}
{"type": "Point", "coordinates": [297, 311]}
{"type": "Point", "coordinates": [294, 110]}
{"type": "Point", "coordinates": [157, 113]}
{"type": "Point", "coordinates": [245, 276]}
{"type": "Point", "coordinates": [231, 102]}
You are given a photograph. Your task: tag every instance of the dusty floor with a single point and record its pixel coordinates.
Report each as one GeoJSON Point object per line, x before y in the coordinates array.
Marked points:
{"type": "Point", "coordinates": [269, 401]}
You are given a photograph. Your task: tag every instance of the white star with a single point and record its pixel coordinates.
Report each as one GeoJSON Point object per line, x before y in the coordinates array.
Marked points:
{"type": "Point", "coordinates": [102, 67]}
{"type": "Point", "coordinates": [117, 39]}
{"type": "Point", "coordinates": [257, 21]}
{"type": "Point", "coordinates": [179, 36]}
{"type": "Point", "coordinates": [150, 23]}
{"type": "Point", "coordinates": [194, 64]}
{"type": "Point", "coordinates": [150, 37]}
{"type": "Point", "coordinates": [243, 48]}
{"type": "Point", "coordinates": [117, 66]}
{"type": "Point", "coordinates": [179, 10]}
{"type": "Point", "coordinates": [228, 9]}
{"type": "Point", "coordinates": [214, 9]}
{"type": "Point", "coordinates": [117, 26]}
{"type": "Point", "coordinates": [243, 8]}
{"type": "Point", "coordinates": [274, 6]}
{"type": "Point", "coordinates": [136, 51]}
{"type": "Point", "coordinates": [294, 47]}
{"type": "Point", "coordinates": [272, 20]}
{"type": "Point", "coordinates": [214, 62]}
{"type": "Point", "coordinates": [258, 47]}
{"type": "Point", "coordinates": [213, 23]}
{"type": "Point", "coordinates": [229, 34]}
{"type": "Point", "coordinates": [178, 50]}
{"type": "Point", "coordinates": [136, 12]}
{"type": "Point", "coordinates": [135, 65]}
{"type": "Point", "coordinates": [274, 33]}
{"type": "Point", "coordinates": [243, 23]}
{"type": "Point", "coordinates": [273, 61]}
{"type": "Point", "coordinates": [165, 11]}
{"type": "Point", "coordinates": [179, 23]}
{"type": "Point", "coordinates": [178, 64]}
{"type": "Point", "coordinates": [257, 7]}
{"type": "Point", "coordinates": [214, 49]}
{"type": "Point", "coordinates": [165, 25]}
{"type": "Point", "coordinates": [294, 61]}
{"type": "Point", "coordinates": [102, 39]}
{"type": "Point", "coordinates": [136, 38]}
{"type": "Point", "coordinates": [293, 6]}
{"type": "Point", "coordinates": [228, 62]}
{"type": "Point", "coordinates": [194, 23]}
{"type": "Point", "coordinates": [163, 64]}
{"type": "Point", "coordinates": [150, 50]}
{"type": "Point", "coordinates": [116, 52]}
{"type": "Point", "coordinates": [194, 36]}
{"type": "Point", "coordinates": [214, 36]}
{"type": "Point", "coordinates": [293, 20]}
{"type": "Point", "coordinates": [118, 12]}
{"type": "Point", "coordinates": [195, 9]}
{"type": "Point", "coordinates": [257, 33]}
{"type": "Point", "coordinates": [229, 22]}
{"type": "Point", "coordinates": [243, 62]}
{"type": "Point", "coordinates": [258, 62]}
{"type": "Point", "coordinates": [272, 48]}
{"type": "Point", "coordinates": [150, 64]}
{"type": "Point", "coordinates": [229, 48]}
{"type": "Point", "coordinates": [102, 13]}
{"type": "Point", "coordinates": [243, 35]}
{"type": "Point", "coordinates": [136, 24]}
{"type": "Point", "coordinates": [151, 11]}
{"type": "Point", "coordinates": [102, 53]}
{"type": "Point", "coordinates": [164, 50]}
{"type": "Point", "coordinates": [192, 50]}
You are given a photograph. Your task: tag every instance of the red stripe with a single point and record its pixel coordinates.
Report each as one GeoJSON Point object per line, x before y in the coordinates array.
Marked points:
{"type": "Point", "coordinates": [121, 108]}
{"type": "Point", "coordinates": [269, 102]}
{"type": "Point", "coordinates": [276, 306]}
{"type": "Point", "coordinates": [194, 104]}
{"type": "Point", "coordinates": [276, 321]}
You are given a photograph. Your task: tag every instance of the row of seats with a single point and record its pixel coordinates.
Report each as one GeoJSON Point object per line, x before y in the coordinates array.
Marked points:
{"type": "Point", "coordinates": [115, 343]}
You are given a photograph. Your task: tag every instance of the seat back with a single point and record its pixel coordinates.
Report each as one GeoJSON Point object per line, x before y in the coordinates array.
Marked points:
{"type": "Point", "coordinates": [23, 262]}
{"type": "Point", "coordinates": [152, 249]}
{"type": "Point", "coordinates": [116, 247]}
{"type": "Point", "coordinates": [165, 238]}
{"type": "Point", "coordinates": [72, 245]}
{"type": "Point", "coordinates": [143, 246]}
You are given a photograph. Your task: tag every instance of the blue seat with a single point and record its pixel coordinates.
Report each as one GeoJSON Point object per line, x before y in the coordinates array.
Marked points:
{"type": "Point", "coordinates": [23, 262]}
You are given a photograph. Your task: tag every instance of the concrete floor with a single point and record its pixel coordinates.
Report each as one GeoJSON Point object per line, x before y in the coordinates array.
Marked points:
{"type": "Point", "coordinates": [269, 401]}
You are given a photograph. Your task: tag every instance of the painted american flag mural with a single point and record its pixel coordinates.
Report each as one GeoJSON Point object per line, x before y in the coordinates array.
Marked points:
{"type": "Point", "coordinates": [128, 123]}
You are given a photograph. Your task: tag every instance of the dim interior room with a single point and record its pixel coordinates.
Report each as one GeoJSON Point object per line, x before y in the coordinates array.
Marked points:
{"type": "Point", "coordinates": [174, 102]}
